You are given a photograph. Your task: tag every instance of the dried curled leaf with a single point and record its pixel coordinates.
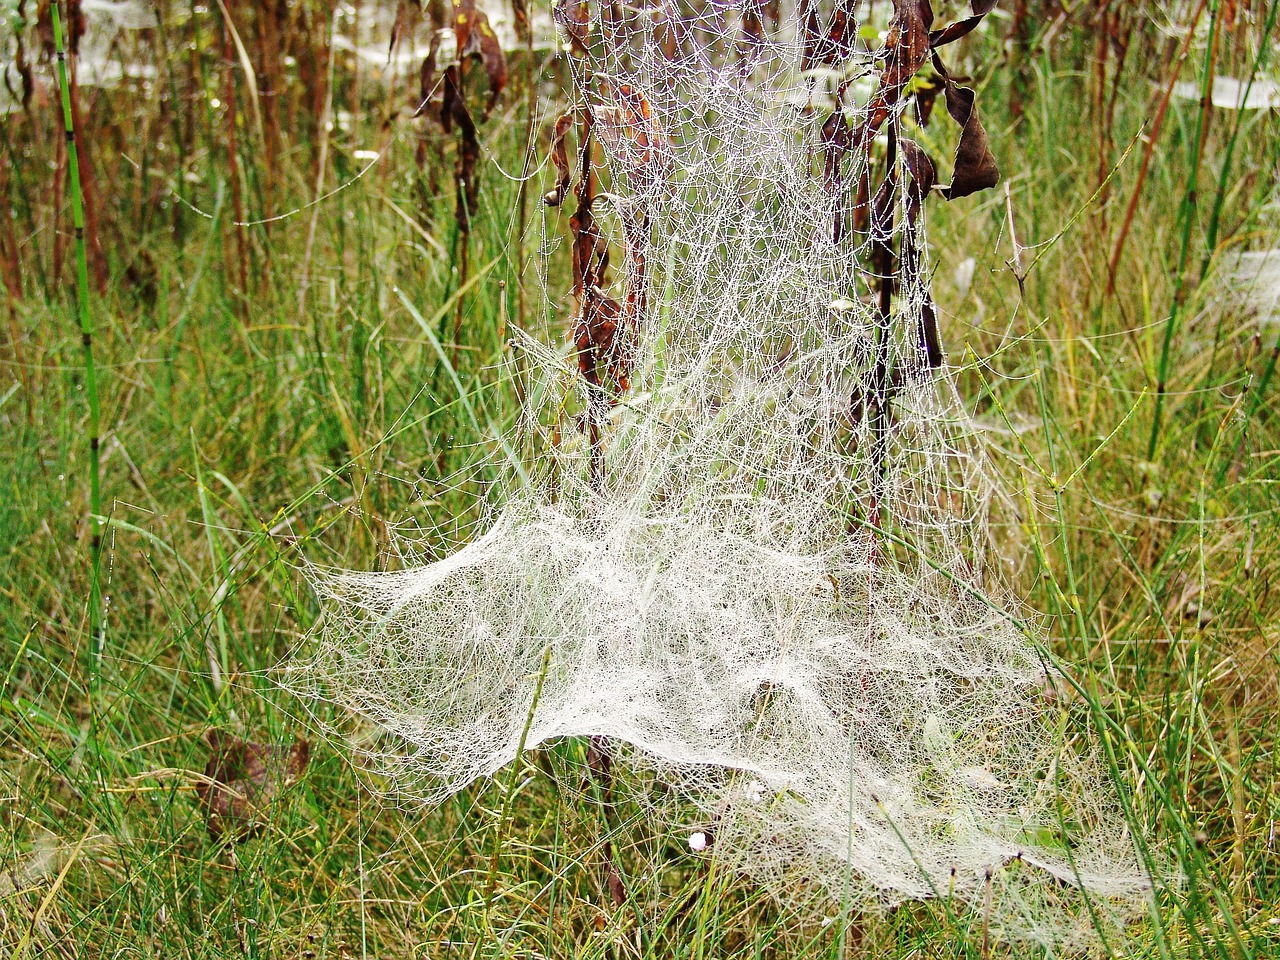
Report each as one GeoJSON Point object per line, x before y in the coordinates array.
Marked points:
{"type": "Point", "coordinates": [575, 17]}
{"type": "Point", "coordinates": [471, 36]}
{"type": "Point", "coordinates": [560, 159]}
{"type": "Point", "coordinates": [906, 48]}
{"type": "Point", "coordinates": [922, 174]}
{"type": "Point", "coordinates": [242, 778]}
{"type": "Point", "coordinates": [832, 45]}
{"type": "Point", "coordinates": [811, 40]}
{"type": "Point", "coordinates": [603, 329]}
{"type": "Point", "coordinates": [468, 156]}
{"type": "Point", "coordinates": [975, 165]}
{"type": "Point", "coordinates": [520, 8]}
{"type": "Point", "coordinates": [442, 55]}
{"type": "Point", "coordinates": [630, 131]}
{"type": "Point", "coordinates": [949, 34]}
{"type": "Point", "coordinates": [476, 39]}
{"type": "Point", "coordinates": [752, 30]}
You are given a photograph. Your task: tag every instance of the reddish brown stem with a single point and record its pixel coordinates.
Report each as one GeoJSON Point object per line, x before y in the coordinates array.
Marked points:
{"type": "Point", "coordinates": [10, 259]}
{"type": "Point", "coordinates": [882, 260]}
{"type": "Point", "coordinates": [89, 193]}
{"type": "Point", "coordinates": [270, 57]}
{"type": "Point", "coordinates": [233, 166]}
{"type": "Point", "coordinates": [1149, 148]}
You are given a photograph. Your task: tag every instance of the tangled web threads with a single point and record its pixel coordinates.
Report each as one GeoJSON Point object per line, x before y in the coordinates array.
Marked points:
{"type": "Point", "coordinates": [763, 563]}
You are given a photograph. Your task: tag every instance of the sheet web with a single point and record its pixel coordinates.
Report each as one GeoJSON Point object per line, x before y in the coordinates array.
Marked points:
{"type": "Point", "coordinates": [758, 551]}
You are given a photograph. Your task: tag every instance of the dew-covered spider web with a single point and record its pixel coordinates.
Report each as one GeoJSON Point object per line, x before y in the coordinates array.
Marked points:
{"type": "Point", "coordinates": [752, 557]}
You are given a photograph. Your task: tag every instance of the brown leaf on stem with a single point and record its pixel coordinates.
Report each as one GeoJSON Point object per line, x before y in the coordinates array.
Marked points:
{"type": "Point", "coordinates": [600, 762]}
{"type": "Point", "coordinates": [617, 889]}
{"type": "Point", "coordinates": [521, 10]}
{"type": "Point", "coordinates": [590, 251]}
{"type": "Point", "coordinates": [468, 154]}
{"type": "Point", "coordinates": [483, 44]}
{"type": "Point", "coordinates": [430, 85]}
{"type": "Point", "coordinates": [752, 28]}
{"type": "Point", "coordinates": [811, 41]}
{"type": "Point", "coordinates": [975, 166]}
{"type": "Point", "coordinates": [473, 37]}
{"type": "Point", "coordinates": [575, 17]}
{"type": "Point", "coordinates": [596, 331]}
{"type": "Point", "coordinates": [906, 47]}
{"type": "Point", "coordinates": [833, 45]}
{"type": "Point", "coordinates": [840, 34]}
{"type": "Point", "coordinates": [242, 778]}
{"type": "Point", "coordinates": [631, 132]}
{"type": "Point", "coordinates": [604, 332]}
{"type": "Point", "coordinates": [922, 175]}
{"type": "Point", "coordinates": [408, 13]}
{"type": "Point", "coordinates": [926, 97]}
{"type": "Point", "coordinates": [949, 34]}
{"type": "Point", "coordinates": [560, 159]}
{"type": "Point", "coordinates": [476, 39]}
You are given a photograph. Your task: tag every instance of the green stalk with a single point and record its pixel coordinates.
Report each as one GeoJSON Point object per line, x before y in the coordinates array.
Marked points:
{"type": "Point", "coordinates": [491, 883]}
{"type": "Point", "coordinates": [1187, 214]}
{"type": "Point", "coordinates": [90, 370]}
{"type": "Point", "coordinates": [1219, 199]}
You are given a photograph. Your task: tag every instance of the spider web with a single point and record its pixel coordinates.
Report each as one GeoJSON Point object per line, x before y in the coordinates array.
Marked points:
{"type": "Point", "coordinates": [753, 554]}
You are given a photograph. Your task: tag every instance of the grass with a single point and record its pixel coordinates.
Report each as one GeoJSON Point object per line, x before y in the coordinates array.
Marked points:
{"type": "Point", "coordinates": [245, 432]}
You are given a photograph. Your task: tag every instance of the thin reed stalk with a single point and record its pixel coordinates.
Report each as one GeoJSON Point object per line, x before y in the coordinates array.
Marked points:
{"type": "Point", "coordinates": [522, 201]}
{"type": "Point", "coordinates": [1153, 137]}
{"type": "Point", "coordinates": [1224, 173]}
{"type": "Point", "coordinates": [88, 197]}
{"type": "Point", "coordinates": [1220, 195]}
{"type": "Point", "coordinates": [233, 161]}
{"type": "Point", "coordinates": [1187, 216]}
{"type": "Point", "coordinates": [86, 341]}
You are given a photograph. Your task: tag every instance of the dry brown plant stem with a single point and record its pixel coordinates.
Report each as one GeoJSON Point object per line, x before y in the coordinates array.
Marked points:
{"type": "Point", "coordinates": [1149, 149]}
{"type": "Point", "coordinates": [233, 164]}
{"type": "Point", "coordinates": [882, 262]}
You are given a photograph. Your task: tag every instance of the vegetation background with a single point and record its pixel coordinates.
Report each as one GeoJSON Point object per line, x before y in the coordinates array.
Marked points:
{"type": "Point", "coordinates": [284, 391]}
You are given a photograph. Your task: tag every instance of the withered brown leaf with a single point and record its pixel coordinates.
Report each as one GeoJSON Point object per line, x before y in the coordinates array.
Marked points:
{"type": "Point", "coordinates": [560, 159]}
{"type": "Point", "coordinates": [906, 47]}
{"type": "Point", "coordinates": [922, 174]}
{"type": "Point", "coordinates": [953, 32]}
{"type": "Point", "coordinates": [975, 165]}
{"type": "Point", "coordinates": [811, 41]}
{"type": "Point", "coordinates": [241, 779]}
{"type": "Point", "coordinates": [575, 17]}
{"type": "Point", "coordinates": [521, 10]}
{"type": "Point", "coordinates": [833, 45]}
{"type": "Point", "coordinates": [477, 39]}
{"type": "Point", "coordinates": [408, 13]}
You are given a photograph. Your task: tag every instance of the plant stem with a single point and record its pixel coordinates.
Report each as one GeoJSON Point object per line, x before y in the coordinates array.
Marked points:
{"type": "Point", "coordinates": [90, 370]}
{"type": "Point", "coordinates": [491, 884]}
{"type": "Point", "coordinates": [1219, 199]}
{"type": "Point", "coordinates": [882, 263]}
{"type": "Point", "coordinates": [1149, 149]}
{"type": "Point", "coordinates": [1188, 216]}
{"type": "Point", "coordinates": [233, 164]}
{"type": "Point", "coordinates": [530, 148]}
